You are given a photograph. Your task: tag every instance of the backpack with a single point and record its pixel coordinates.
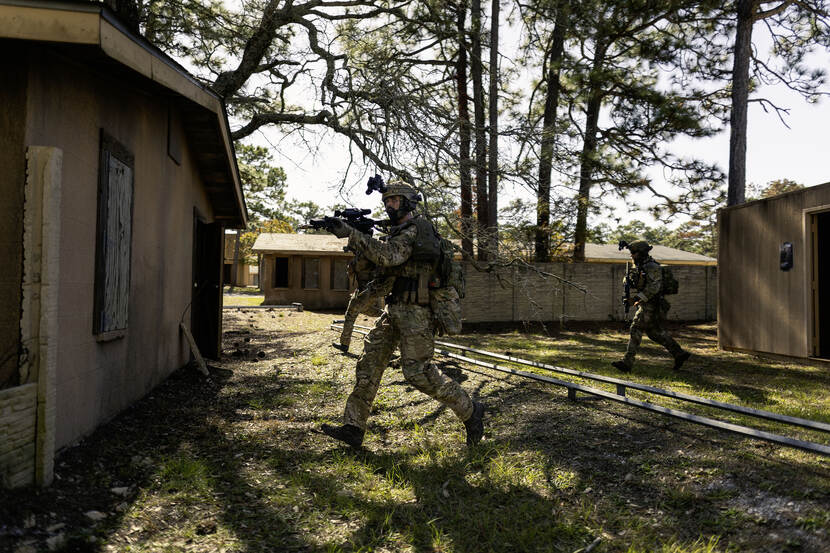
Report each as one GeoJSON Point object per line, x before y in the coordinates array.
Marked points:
{"type": "Point", "coordinates": [669, 284]}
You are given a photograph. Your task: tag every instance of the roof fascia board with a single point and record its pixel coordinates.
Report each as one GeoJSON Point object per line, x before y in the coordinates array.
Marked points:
{"type": "Point", "coordinates": [27, 22]}
{"type": "Point", "coordinates": [660, 261]}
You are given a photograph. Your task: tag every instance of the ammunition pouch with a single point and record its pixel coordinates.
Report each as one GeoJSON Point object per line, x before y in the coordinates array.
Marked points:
{"type": "Point", "coordinates": [446, 310]}
{"type": "Point", "coordinates": [409, 290]}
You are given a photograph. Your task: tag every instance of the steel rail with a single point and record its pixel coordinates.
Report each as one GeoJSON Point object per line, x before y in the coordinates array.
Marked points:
{"type": "Point", "coordinates": [621, 398]}
{"type": "Point", "coordinates": [705, 421]}
{"type": "Point", "coordinates": [623, 384]}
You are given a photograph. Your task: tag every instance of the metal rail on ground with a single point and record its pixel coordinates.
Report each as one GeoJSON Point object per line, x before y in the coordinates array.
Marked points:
{"type": "Point", "coordinates": [621, 398]}
{"type": "Point", "coordinates": [295, 306]}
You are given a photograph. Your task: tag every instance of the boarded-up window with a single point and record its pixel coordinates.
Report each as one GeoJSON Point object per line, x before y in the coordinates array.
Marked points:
{"type": "Point", "coordinates": [114, 238]}
{"type": "Point", "coordinates": [281, 272]}
{"type": "Point", "coordinates": [339, 274]}
{"type": "Point", "coordinates": [311, 272]}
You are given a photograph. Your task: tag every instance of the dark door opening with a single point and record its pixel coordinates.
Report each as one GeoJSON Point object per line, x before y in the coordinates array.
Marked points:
{"type": "Point", "coordinates": [206, 309]}
{"type": "Point", "coordinates": [821, 284]}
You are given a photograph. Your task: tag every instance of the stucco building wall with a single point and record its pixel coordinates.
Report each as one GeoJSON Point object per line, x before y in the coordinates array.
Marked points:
{"type": "Point", "coordinates": [67, 106]}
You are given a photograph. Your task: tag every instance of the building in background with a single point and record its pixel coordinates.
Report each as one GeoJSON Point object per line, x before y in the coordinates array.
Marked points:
{"type": "Point", "coordinates": [237, 271]}
{"type": "Point", "coordinates": [310, 269]}
{"type": "Point", "coordinates": [304, 268]}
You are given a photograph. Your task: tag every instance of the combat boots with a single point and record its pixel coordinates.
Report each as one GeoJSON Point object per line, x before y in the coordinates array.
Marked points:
{"type": "Point", "coordinates": [475, 424]}
{"type": "Point", "coordinates": [621, 366]}
{"type": "Point", "coordinates": [348, 433]}
{"type": "Point", "coordinates": [681, 358]}
{"type": "Point", "coordinates": [342, 347]}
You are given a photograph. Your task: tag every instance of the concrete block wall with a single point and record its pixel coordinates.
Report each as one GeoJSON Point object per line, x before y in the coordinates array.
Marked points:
{"type": "Point", "coordinates": [18, 420]}
{"type": "Point", "coordinates": [577, 292]}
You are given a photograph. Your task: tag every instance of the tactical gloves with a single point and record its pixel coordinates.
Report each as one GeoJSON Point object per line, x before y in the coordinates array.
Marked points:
{"type": "Point", "coordinates": [340, 229]}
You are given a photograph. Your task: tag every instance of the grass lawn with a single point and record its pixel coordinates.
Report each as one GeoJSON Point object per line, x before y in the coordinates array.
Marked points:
{"type": "Point", "coordinates": [242, 296]}
{"type": "Point", "coordinates": [236, 463]}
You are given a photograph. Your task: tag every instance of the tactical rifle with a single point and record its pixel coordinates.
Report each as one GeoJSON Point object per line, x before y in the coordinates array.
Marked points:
{"type": "Point", "coordinates": [353, 217]}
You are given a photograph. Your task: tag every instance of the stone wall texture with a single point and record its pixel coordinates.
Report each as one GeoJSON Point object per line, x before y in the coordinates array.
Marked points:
{"type": "Point", "coordinates": [18, 419]}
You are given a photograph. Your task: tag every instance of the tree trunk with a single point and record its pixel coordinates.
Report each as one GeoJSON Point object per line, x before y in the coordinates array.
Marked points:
{"type": "Point", "coordinates": [557, 49]}
{"type": "Point", "coordinates": [740, 95]}
{"type": "Point", "coordinates": [464, 133]}
{"type": "Point", "coordinates": [493, 167]}
{"type": "Point", "coordinates": [587, 160]}
{"type": "Point", "coordinates": [480, 145]}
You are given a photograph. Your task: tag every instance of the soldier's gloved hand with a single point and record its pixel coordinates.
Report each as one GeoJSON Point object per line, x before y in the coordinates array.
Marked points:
{"type": "Point", "coordinates": [340, 229]}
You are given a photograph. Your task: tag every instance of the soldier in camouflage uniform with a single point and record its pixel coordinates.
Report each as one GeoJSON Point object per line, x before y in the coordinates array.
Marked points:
{"type": "Point", "coordinates": [652, 307]}
{"type": "Point", "coordinates": [365, 297]}
{"type": "Point", "coordinates": [406, 322]}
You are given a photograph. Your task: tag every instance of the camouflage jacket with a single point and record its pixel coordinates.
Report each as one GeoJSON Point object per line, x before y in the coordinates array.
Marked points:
{"type": "Point", "coordinates": [362, 270]}
{"type": "Point", "coordinates": [647, 279]}
{"type": "Point", "coordinates": [392, 256]}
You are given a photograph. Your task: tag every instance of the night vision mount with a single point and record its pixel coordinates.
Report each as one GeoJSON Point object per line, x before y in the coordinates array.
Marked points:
{"type": "Point", "coordinates": [622, 244]}
{"type": "Point", "coordinates": [375, 183]}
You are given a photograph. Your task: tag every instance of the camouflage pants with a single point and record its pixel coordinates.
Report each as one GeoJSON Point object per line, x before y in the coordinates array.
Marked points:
{"type": "Point", "coordinates": [409, 326]}
{"type": "Point", "coordinates": [367, 302]}
{"type": "Point", "coordinates": [650, 318]}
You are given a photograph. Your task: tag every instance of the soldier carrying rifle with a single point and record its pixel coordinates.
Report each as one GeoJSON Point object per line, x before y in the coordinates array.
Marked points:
{"type": "Point", "coordinates": [651, 284]}
{"type": "Point", "coordinates": [412, 256]}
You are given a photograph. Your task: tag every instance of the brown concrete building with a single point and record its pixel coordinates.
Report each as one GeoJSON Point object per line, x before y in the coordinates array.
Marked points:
{"type": "Point", "coordinates": [305, 268]}
{"type": "Point", "coordinates": [774, 282]}
{"type": "Point", "coordinates": [117, 179]}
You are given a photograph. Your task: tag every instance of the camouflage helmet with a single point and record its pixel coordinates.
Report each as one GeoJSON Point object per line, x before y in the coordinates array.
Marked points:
{"type": "Point", "coordinates": [400, 188]}
{"type": "Point", "coordinates": [639, 246]}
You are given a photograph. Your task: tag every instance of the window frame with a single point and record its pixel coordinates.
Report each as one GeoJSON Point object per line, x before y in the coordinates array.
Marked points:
{"type": "Point", "coordinates": [287, 273]}
{"type": "Point", "coordinates": [102, 329]}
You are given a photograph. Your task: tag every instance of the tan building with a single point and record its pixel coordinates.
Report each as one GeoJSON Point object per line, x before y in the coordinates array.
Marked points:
{"type": "Point", "coordinates": [767, 304]}
{"type": "Point", "coordinates": [118, 173]}
{"type": "Point", "coordinates": [305, 268]}
{"type": "Point", "coordinates": [236, 271]}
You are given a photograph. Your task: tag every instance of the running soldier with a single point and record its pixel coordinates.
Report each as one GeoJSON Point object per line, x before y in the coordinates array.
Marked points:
{"type": "Point", "coordinates": [647, 279]}
{"type": "Point", "coordinates": [407, 320]}
{"type": "Point", "coordinates": [364, 299]}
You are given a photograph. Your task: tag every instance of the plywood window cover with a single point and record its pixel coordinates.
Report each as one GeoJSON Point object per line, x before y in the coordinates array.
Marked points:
{"type": "Point", "coordinates": [306, 262]}
{"type": "Point", "coordinates": [338, 267]}
{"type": "Point", "coordinates": [111, 148]}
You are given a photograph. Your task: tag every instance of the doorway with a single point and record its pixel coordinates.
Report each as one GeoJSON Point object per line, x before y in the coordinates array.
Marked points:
{"type": "Point", "coordinates": [820, 287]}
{"type": "Point", "coordinates": [206, 290]}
